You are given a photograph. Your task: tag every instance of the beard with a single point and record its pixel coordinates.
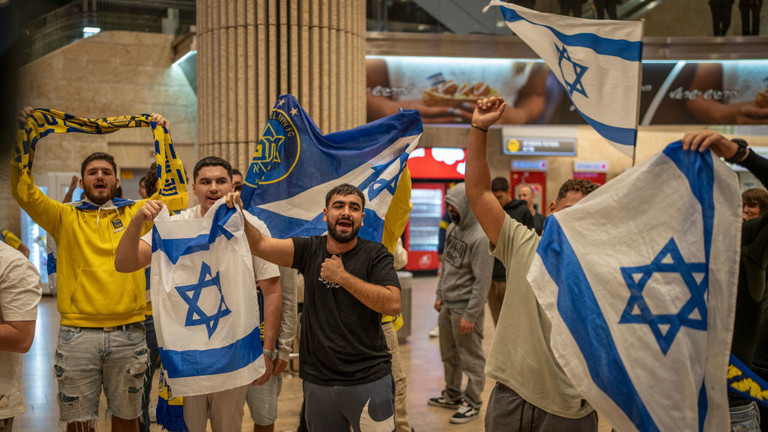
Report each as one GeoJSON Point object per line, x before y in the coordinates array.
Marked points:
{"type": "Point", "coordinates": [89, 193]}
{"type": "Point", "coordinates": [342, 238]}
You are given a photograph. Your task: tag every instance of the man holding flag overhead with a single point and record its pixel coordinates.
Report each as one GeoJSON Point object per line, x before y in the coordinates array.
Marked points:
{"type": "Point", "coordinates": [101, 340]}
{"type": "Point", "coordinates": [532, 392]}
{"type": "Point", "coordinates": [349, 283]}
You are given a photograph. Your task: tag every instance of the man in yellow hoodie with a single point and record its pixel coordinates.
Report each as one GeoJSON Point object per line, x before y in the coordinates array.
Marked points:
{"type": "Point", "coordinates": [102, 339]}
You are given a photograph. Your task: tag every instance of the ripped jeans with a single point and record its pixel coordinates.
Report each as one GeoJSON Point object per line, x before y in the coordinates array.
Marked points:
{"type": "Point", "coordinates": [88, 359]}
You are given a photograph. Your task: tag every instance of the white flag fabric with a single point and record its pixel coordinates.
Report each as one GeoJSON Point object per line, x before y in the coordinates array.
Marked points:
{"type": "Point", "coordinates": [597, 61]}
{"type": "Point", "coordinates": [639, 281]}
{"type": "Point", "coordinates": [205, 302]}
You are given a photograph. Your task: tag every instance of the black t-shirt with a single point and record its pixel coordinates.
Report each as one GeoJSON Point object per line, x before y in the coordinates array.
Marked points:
{"type": "Point", "coordinates": [342, 342]}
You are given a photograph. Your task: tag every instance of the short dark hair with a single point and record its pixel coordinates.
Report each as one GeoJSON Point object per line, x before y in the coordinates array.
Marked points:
{"type": "Point", "coordinates": [211, 161]}
{"type": "Point", "coordinates": [343, 189]}
{"type": "Point", "coordinates": [236, 171]}
{"type": "Point", "coordinates": [119, 192]}
{"type": "Point", "coordinates": [585, 187]}
{"type": "Point", "coordinates": [756, 197]}
{"type": "Point", "coordinates": [150, 180]}
{"type": "Point", "coordinates": [98, 156]}
{"type": "Point", "coordinates": [499, 184]}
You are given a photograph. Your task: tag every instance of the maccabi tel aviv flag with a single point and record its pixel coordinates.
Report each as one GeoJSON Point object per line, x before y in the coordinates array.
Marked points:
{"type": "Point", "coordinates": [295, 165]}
{"type": "Point", "coordinates": [172, 186]}
{"type": "Point", "coordinates": [639, 281]}
{"type": "Point", "coordinates": [597, 61]}
{"type": "Point", "coordinates": [205, 302]}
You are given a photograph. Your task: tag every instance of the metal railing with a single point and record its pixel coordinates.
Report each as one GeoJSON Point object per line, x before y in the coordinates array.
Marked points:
{"type": "Point", "coordinates": [68, 23]}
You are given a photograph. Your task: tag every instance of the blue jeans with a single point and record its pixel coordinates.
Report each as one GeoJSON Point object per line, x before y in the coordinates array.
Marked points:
{"type": "Point", "coordinates": [88, 359]}
{"type": "Point", "coordinates": [745, 418]}
{"type": "Point", "coordinates": [154, 353]}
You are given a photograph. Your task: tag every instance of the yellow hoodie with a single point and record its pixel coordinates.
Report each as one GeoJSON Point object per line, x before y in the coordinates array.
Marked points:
{"type": "Point", "coordinates": [91, 293]}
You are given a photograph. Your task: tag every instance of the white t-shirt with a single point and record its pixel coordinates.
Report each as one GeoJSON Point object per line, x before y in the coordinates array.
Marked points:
{"type": "Point", "coordinates": [20, 292]}
{"type": "Point", "coordinates": [261, 269]}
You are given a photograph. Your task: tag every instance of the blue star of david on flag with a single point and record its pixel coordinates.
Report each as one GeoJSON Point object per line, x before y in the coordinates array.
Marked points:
{"type": "Point", "coordinates": [692, 314]}
{"type": "Point", "coordinates": [573, 69]}
{"type": "Point", "coordinates": [191, 295]}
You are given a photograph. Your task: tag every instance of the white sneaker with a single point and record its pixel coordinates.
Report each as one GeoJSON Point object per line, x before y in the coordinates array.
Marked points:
{"type": "Point", "coordinates": [464, 414]}
{"type": "Point", "coordinates": [435, 332]}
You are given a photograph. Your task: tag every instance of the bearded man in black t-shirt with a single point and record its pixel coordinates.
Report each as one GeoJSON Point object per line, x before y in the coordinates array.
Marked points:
{"type": "Point", "coordinates": [349, 283]}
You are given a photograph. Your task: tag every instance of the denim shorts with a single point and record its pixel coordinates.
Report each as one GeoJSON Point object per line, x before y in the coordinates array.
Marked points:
{"type": "Point", "coordinates": [745, 418]}
{"type": "Point", "coordinates": [262, 400]}
{"type": "Point", "coordinates": [89, 359]}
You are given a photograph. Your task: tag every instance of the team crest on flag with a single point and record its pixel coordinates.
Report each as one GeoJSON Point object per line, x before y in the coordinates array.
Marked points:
{"type": "Point", "coordinates": [639, 281]}
{"type": "Point", "coordinates": [598, 62]}
{"type": "Point", "coordinates": [295, 165]}
{"type": "Point", "coordinates": [205, 302]}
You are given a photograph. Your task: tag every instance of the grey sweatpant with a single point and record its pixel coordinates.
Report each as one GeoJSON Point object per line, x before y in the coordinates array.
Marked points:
{"type": "Point", "coordinates": [462, 353]}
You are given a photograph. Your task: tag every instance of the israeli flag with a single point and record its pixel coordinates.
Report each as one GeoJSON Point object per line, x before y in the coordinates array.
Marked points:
{"type": "Point", "coordinates": [295, 165]}
{"type": "Point", "coordinates": [205, 303]}
{"type": "Point", "coordinates": [596, 61]}
{"type": "Point", "coordinates": [639, 281]}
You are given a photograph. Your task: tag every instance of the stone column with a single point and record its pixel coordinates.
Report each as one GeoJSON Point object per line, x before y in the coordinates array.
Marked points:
{"type": "Point", "coordinates": [251, 51]}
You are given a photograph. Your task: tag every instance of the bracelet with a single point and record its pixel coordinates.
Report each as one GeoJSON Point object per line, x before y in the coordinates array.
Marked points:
{"type": "Point", "coordinates": [741, 151]}
{"type": "Point", "coordinates": [478, 127]}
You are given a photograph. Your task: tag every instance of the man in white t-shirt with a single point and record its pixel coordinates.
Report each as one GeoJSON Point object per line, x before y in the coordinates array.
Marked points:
{"type": "Point", "coordinates": [212, 180]}
{"type": "Point", "coordinates": [20, 293]}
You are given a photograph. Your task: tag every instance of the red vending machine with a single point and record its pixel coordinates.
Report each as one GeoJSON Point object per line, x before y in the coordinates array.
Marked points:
{"type": "Point", "coordinates": [534, 174]}
{"type": "Point", "coordinates": [433, 171]}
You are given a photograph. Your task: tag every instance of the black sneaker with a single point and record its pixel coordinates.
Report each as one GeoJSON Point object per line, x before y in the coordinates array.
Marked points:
{"type": "Point", "coordinates": [442, 402]}
{"type": "Point", "coordinates": [464, 414]}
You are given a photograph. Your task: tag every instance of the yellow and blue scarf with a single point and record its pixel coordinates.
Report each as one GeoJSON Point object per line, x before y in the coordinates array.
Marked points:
{"type": "Point", "coordinates": [42, 122]}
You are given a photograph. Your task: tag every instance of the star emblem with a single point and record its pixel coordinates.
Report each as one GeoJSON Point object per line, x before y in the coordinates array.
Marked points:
{"type": "Point", "coordinates": [281, 102]}
{"type": "Point", "coordinates": [191, 295]}
{"type": "Point", "coordinates": [693, 314]}
{"type": "Point", "coordinates": [293, 112]}
{"type": "Point", "coordinates": [571, 72]}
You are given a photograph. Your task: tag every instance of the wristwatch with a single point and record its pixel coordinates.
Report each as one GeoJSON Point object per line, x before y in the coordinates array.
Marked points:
{"type": "Point", "coordinates": [741, 151]}
{"type": "Point", "coordinates": [271, 353]}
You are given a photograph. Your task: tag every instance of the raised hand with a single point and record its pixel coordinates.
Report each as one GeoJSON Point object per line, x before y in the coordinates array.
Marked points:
{"type": "Point", "coordinates": [488, 111]}
{"type": "Point", "coordinates": [161, 121]}
{"type": "Point", "coordinates": [704, 139]}
{"type": "Point", "coordinates": [150, 210]}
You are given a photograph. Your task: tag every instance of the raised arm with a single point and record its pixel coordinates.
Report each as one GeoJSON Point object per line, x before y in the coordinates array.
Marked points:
{"type": "Point", "coordinates": [484, 205]}
{"type": "Point", "coordinates": [132, 253]}
{"type": "Point", "coordinates": [725, 148]}
{"type": "Point", "coordinates": [277, 251]}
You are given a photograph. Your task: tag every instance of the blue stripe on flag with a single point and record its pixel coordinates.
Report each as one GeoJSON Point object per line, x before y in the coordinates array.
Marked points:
{"type": "Point", "coordinates": [175, 248]}
{"type": "Point", "coordinates": [624, 49]}
{"type": "Point", "coordinates": [577, 306]}
{"type": "Point", "coordinates": [700, 173]}
{"type": "Point", "coordinates": [619, 135]}
{"type": "Point", "coordinates": [241, 353]}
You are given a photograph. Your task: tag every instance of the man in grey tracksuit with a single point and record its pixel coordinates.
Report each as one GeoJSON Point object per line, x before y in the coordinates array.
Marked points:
{"type": "Point", "coordinates": [465, 276]}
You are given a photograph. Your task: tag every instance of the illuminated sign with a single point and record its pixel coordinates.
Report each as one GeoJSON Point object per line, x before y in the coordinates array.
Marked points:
{"type": "Point", "coordinates": [437, 163]}
{"type": "Point", "coordinates": [538, 146]}
{"type": "Point", "coordinates": [594, 167]}
{"type": "Point", "coordinates": [529, 165]}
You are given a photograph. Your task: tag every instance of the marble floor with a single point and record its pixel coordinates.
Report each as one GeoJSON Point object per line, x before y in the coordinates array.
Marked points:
{"type": "Point", "coordinates": [421, 358]}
